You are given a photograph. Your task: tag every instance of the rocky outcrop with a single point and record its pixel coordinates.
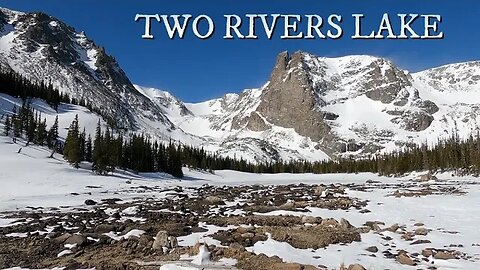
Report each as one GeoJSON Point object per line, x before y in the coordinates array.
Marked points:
{"type": "Point", "coordinates": [289, 99]}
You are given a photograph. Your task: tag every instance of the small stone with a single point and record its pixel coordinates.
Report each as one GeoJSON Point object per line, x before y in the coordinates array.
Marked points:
{"type": "Point", "coordinates": [374, 225]}
{"type": "Point", "coordinates": [427, 177]}
{"type": "Point", "coordinates": [172, 242]}
{"type": "Point", "coordinates": [104, 228]}
{"type": "Point", "coordinates": [408, 236]}
{"type": "Point", "coordinates": [319, 190]}
{"type": "Point", "coordinates": [62, 238]}
{"type": "Point", "coordinates": [214, 200]}
{"type": "Point", "coordinates": [90, 202]}
{"type": "Point", "coordinates": [419, 242]}
{"type": "Point", "coordinates": [393, 228]}
{"type": "Point", "coordinates": [77, 239]}
{"type": "Point", "coordinates": [443, 255]}
{"type": "Point", "coordinates": [345, 224]}
{"type": "Point", "coordinates": [418, 224]}
{"type": "Point", "coordinates": [356, 267]}
{"type": "Point", "coordinates": [247, 235]}
{"type": "Point", "coordinates": [405, 259]}
{"type": "Point", "coordinates": [421, 231]}
{"type": "Point", "coordinates": [329, 222]}
{"type": "Point", "coordinates": [309, 219]}
{"type": "Point", "coordinates": [372, 249]}
{"type": "Point", "coordinates": [427, 252]}
{"type": "Point", "coordinates": [236, 246]}
{"type": "Point", "coordinates": [364, 229]}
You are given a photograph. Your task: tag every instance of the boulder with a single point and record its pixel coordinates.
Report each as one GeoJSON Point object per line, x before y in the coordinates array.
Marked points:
{"type": "Point", "coordinates": [443, 255]}
{"type": "Point", "coordinates": [329, 222]}
{"type": "Point", "coordinates": [214, 200]}
{"type": "Point", "coordinates": [427, 177]}
{"type": "Point", "coordinates": [393, 228]}
{"type": "Point", "coordinates": [309, 219]}
{"type": "Point", "coordinates": [172, 242]}
{"type": "Point", "coordinates": [427, 252]}
{"type": "Point", "coordinates": [104, 228]}
{"type": "Point", "coordinates": [421, 231]}
{"type": "Point", "coordinates": [319, 190]}
{"type": "Point", "coordinates": [372, 249]}
{"type": "Point", "coordinates": [345, 224]}
{"type": "Point", "coordinates": [62, 238]}
{"type": "Point", "coordinates": [161, 240]}
{"type": "Point", "coordinates": [356, 267]}
{"type": "Point", "coordinates": [76, 239]}
{"type": "Point", "coordinates": [236, 246]}
{"type": "Point", "coordinates": [403, 258]}
{"type": "Point", "coordinates": [90, 202]}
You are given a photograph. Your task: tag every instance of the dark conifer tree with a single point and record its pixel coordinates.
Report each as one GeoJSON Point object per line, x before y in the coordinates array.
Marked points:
{"type": "Point", "coordinates": [41, 133]}
{"type": "Point", "coordinates": [88, 149]}
{"type": "Point", "coordinates": [53, 134]}
{"type": "Point", "coordinates": [8, 126]}
{"type": "Point", "coordinates": [71, 149]}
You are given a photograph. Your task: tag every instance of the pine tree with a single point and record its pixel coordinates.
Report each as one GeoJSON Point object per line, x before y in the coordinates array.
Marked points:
{"type": "Point", "coordinates": [98, 156]}
{"type": "Point", "coordinates": [53, 134]}
{"type": "Point", "coordinates": [8, 126]}
{"type": "Point", "coordinates": [17, 126]}
{"type": "Point", "coordinates": [88, 149]}
{"type": "Point", "coordinates": [71, 150]}
{"type": "Point", "coordinates": [41, 133]}
{"type": "Point", "coordinates": [82, 144]}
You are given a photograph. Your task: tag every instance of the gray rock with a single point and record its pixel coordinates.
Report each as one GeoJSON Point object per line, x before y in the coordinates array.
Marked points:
{"type": "Point", "coordinates": [61, 239]}
{"type": "Point", "coordinates": [421, 231]}
{"type": "Point", "coordinates": [403, 258]}
{"type": "Point", "coordinates": [161, 240]}
{"type": "Point", "coordinates": [443, 255]}
{"type": "Point", "coordinates": [90, 202]}
{"type": "Point", "coordinates": [356, 267]}
{"type": "Point", "coordinates": [345, 224]}
{"type": "Point", "coordinates": [77, 239]}
{"type": "Point", "coordinates": [104, 228]}
{"type": "Point", "coordinates": [172, 242]}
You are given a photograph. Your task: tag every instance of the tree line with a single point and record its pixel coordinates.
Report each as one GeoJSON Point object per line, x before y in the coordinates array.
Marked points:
{"type": "Point", "coordinates": [24, 122]}
{"type": "Point", "coordinates": [16, 85]}
{"type": "Point", "coordinates": [109, 151]}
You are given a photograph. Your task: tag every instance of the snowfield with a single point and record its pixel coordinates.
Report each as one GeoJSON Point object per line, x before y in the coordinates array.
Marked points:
{"type": "Point", "coordinates": [33, 182]}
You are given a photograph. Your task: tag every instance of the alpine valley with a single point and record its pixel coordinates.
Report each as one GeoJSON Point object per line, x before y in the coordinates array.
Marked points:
{"type": "Point", "coordinates": [311, 108]}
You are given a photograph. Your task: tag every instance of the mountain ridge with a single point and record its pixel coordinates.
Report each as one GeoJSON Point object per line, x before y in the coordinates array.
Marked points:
{"type": "Point", "coordinates": [311, 107]}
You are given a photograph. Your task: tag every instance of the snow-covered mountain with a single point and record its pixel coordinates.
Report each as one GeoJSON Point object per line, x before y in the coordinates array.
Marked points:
{"type": "Point", "coordinates": [316, 107]}
{"type": "Point", "coordinates": [44, 48]}
{"type": "Point", "coordinates": [310, 108]}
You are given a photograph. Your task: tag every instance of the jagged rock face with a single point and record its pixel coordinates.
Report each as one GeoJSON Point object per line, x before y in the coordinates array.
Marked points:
{"type": "Point", "coordinates": [289, 100]}
{"type": "Point", "coordinates": [304, 88]}
{"type": "Point", "coordinates": [385, 85]}
{"type": "Point", "coordinates": [41, 47]}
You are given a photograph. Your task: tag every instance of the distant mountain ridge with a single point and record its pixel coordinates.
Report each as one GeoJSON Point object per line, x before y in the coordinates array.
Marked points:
{"type": "Point", "coordinates": [311, 107]}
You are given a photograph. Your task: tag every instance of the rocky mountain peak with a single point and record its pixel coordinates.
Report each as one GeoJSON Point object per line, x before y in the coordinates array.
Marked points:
{"type": "Point", "coordinates": [289, 100]}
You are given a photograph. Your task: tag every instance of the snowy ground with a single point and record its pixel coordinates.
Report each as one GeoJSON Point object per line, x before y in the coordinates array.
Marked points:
{"type": "Point", "coordinates": [448, 209]}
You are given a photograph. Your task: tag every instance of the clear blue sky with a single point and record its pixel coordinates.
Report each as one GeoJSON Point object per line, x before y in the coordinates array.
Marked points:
{"type": "Point", "coordinates": [196, 70]}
